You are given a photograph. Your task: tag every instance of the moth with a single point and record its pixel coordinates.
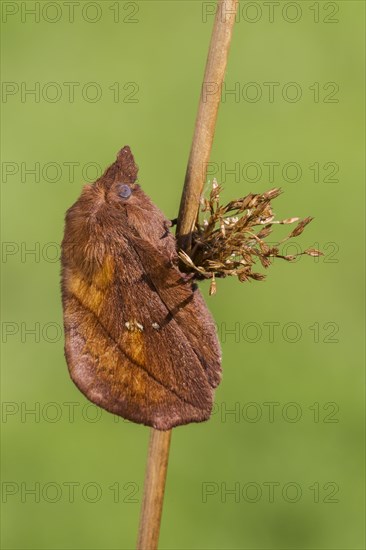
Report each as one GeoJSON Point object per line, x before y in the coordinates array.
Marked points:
{"type": "Point", "coordinates": [139, 339]}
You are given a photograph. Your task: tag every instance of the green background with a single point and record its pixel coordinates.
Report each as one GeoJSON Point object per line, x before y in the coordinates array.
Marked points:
{"type": "Point", "coordinates": [311, 450]}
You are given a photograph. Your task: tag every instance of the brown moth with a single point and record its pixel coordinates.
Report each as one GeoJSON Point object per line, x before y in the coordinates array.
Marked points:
{"type": "Point", "coordinates": [139, 339]}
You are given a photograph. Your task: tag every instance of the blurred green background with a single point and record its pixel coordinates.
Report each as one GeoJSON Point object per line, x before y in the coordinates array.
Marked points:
{"type": "Point", "coordinates": [284, 469]}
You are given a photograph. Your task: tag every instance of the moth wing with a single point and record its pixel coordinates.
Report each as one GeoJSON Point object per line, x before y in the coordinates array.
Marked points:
{"type": "Point", "coordinates": [187, 305]}
{"type": "Point", "coordinates": [127, 345]}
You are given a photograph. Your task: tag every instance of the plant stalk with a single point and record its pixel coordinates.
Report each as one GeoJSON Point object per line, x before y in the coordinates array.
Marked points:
{"type": "Point", "coordinates": [206, 120]}
{"type": "Point", "coordinates": [152, 504]}
{"type": "Point", "coordinates": [158, 454]}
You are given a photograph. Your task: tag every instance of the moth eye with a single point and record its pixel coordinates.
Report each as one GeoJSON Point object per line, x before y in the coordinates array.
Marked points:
{"type": "Point", "coordinates": [124, 191]}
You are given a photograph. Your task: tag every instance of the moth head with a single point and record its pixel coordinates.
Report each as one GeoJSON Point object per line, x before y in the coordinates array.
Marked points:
{"type": "Point", "coordinates": [117, 185]}
{"type": "Point", "coordinates": [116, 194]}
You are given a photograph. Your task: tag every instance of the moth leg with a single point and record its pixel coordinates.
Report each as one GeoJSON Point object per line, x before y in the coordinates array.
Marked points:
{"type": "Point", "coordinates": [167, 225]}
{"type": "Point", "coordinates": [173, 259]}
